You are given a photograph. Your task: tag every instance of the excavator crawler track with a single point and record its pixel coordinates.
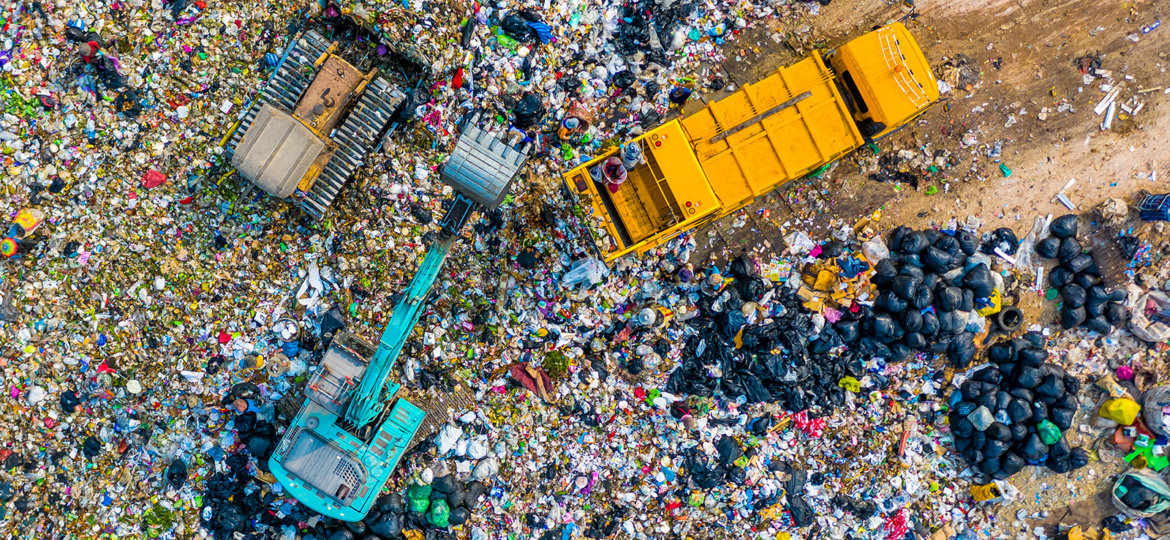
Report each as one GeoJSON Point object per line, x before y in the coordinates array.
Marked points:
{"type": "Point", "coordinates": [285, 86]}
{"type": "Point", "coordinates": [355, 138]}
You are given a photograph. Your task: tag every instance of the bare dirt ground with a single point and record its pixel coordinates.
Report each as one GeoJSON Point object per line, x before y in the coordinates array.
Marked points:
{"type": "Point", "coordinates": [1026, 54]}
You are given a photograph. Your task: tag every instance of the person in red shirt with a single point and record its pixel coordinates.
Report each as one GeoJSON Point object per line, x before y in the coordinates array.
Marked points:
{"type": "Point", "coordinates": [90, 52]}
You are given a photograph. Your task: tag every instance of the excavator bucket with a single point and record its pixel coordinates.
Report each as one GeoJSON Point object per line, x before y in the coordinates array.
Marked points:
{"type": "Point", "coordinates": [483, 164]}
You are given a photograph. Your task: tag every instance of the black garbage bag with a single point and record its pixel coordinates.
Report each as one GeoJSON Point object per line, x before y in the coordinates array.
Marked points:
{"type": "Point", "coordinates": [729, 450]}
{"type": "Point", "coordinates": [997, 432]}
{"type": "Point", "coordinates": [884, 327]}
{"type": "Point", "coordinates": [529, 111]}
{"type": "Point", "coordinates": [894, 242]}
{"type": "Point", "coordinates": [458, 516]}
{"type": "Point", "coordinates": [1087, 281]}
{"type": "Point", "coordinates": [229, 518]}
{"type": "Point", "coordinates": [1033, 448]}
{"type": "Point", "coordinates": [91, 447]}
{"type": "Point", "coordinates": [177, 474]}
{"type": "Point", "coordinates": [756, 392]}
{"type": "Point", "coordinates": [392, 503]}
{"type": "Point", "coordinates": [978, 280]}
{"type": "Point", "coordinates": [1099, 325]}
{"type": "Point", "coordinates": [358, 528]}
{"type": "Point", "coordinates": [911, 320]}
{"type": "Point", "coordinates": [913, 242]}
{"type": "Point", "coordinates": [1078, 457]}
{"type": "Point", "coordinates": [1004, 239]}
{"type": "Point", "coordinates": [1058, 465]}
{"type": "Point", "coordinates": [517, 28]}
{"type": "Point", "coordinates": [832, 249]}
{"type": "Point", "coordinates": [848, 331]}
{"type": "Point", "coordinates": [963, 428]}
{"type": "Point", "coordinates": [914, 340]}
{"type": "Point", "coordinates": [742, 267]}
{"type": "Point", "coordinates": [1010, 463]}
{"type": "Point", "coordinates": [932, 236]}
{"type": "Point", "coordinates": [989, 465]}
{"type": "Point", "coordinates": [1048, 247]}
{"type": "Point", "coordinates": [445, 484]}
{"type": "Point", "coordinates": [883, 272]}
{"type": "Point", "coordinates": [961, 350]}
{"type": "Point", "coordinates": [1039, 411]}
{"type": "Point", "coordinates": [751, 289]}
{"type": "Point", "coordinates": [996, 448]}
{"type": "Point", "coordinates": [802, 513]}
{"type": "Point", "coordinates": [948, 324]}
{"type": "Point", "coordinates": [950, 298]}
{"type": "Point", "coordinates": [922, 298]}
{"type": "Point", "coordinates": [890, 302]}
{"type": "Point", "coordinates": [1060, 276]}
{"type": "Point", "coordinates": [1080, 263]}
{"type": "Point", "coordinates": [929, 324]}
{"type": "Point", "coordinates": [69, 401]}
{"type": "Point", "coordinates": [1028, 377]}
{"type": "Point", "coordinates": [910, 260]}
{"type": "Point", "coordinates": [623, 79]}
{"type": "Point", "coordinates": [1050, 386]}
{"type": "Point", "coordinates": [475, 489]}
{"type": "Point", "coordinates": [732, 321]}
{"type": "Point", "coordinates": [964, 408]}
{"type": "Point", "coordinates": [949, 244]}
{"type": "Point", "coordinates": [1064, 226]}
{"type": "Point", "coordinates": [937, 259]}
{"type": "Point", "coordinates": [1032, 357]}
{"type": "Point", "coordinates": [1116, 313]}
{"type": "Point", "coordinates": [1069, 248]}
{"type": "Point", "coordinates": [967, 242]}
{"type": "Point", "coordinates": [1095, 295]}
{"type": "Point", "coordinates": [1071, 317]}
{"type": "Point", "coordinates": [905, 286]}
{"type": "Point", "coordinates": [1001, 352]}
{"type": "Point", "coordinates": [1019, 432]}
{"type": "Point", "coordinates": [1019, 411]}
{"type": "Point", "coordinates": [912, 271]}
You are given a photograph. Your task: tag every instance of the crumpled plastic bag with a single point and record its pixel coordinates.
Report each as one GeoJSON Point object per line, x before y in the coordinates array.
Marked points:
{"type": "Point", "coordinates": [448, 437]}
{"type": "Point", "coordinates": [1141, 493]}
{"type": "Point", "coordinates": [1121, 410]}
{"type": "Point", "coordinates": [486, 468]}
{"type": "Point", "coordinates": [588, 271]}
{"type": "Point", "coordinates": [1140, 322]}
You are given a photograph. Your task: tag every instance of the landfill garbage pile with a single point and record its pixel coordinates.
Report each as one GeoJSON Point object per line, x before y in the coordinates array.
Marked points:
{"type": "Point", "coordinates": [1086, 302]}
{"type": "Point", "coordinates": [765, 355]}
{"type": "Point", "coordinates": [935, 290]}
{"type": "Point", "coordinates": [1014, 411]}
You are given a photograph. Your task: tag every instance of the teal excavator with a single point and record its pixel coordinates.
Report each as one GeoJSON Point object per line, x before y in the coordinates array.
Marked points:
{"type": "Point", "coordinates": [352, 430]}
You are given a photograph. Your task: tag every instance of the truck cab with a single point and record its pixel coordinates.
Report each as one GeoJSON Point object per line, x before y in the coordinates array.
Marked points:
{"type": "Point", "coordinates": [884, 78]}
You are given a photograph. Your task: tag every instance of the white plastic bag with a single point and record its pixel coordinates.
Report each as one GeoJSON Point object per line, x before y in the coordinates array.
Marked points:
{"type": "Point", "coordinates": [588, 271]}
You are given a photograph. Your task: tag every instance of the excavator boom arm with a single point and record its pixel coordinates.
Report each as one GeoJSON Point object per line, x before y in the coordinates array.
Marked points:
{"type": "Point", "coordinates": [367, 400]}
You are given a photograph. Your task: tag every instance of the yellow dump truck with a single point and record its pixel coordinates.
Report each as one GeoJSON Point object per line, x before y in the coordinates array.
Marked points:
{"type": "Point", "coordinates": [716, 161]}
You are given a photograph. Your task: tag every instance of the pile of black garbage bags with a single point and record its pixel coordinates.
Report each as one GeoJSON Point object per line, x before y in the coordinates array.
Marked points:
{"type": "Point", "coordinates": [1085, 299]}
{"type": "Point", "coordinates": [1014, 411]}
{"type": "Point", "coordinates": [782, 359]}
{"type": "Point", "coordinates": [930, 289]}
